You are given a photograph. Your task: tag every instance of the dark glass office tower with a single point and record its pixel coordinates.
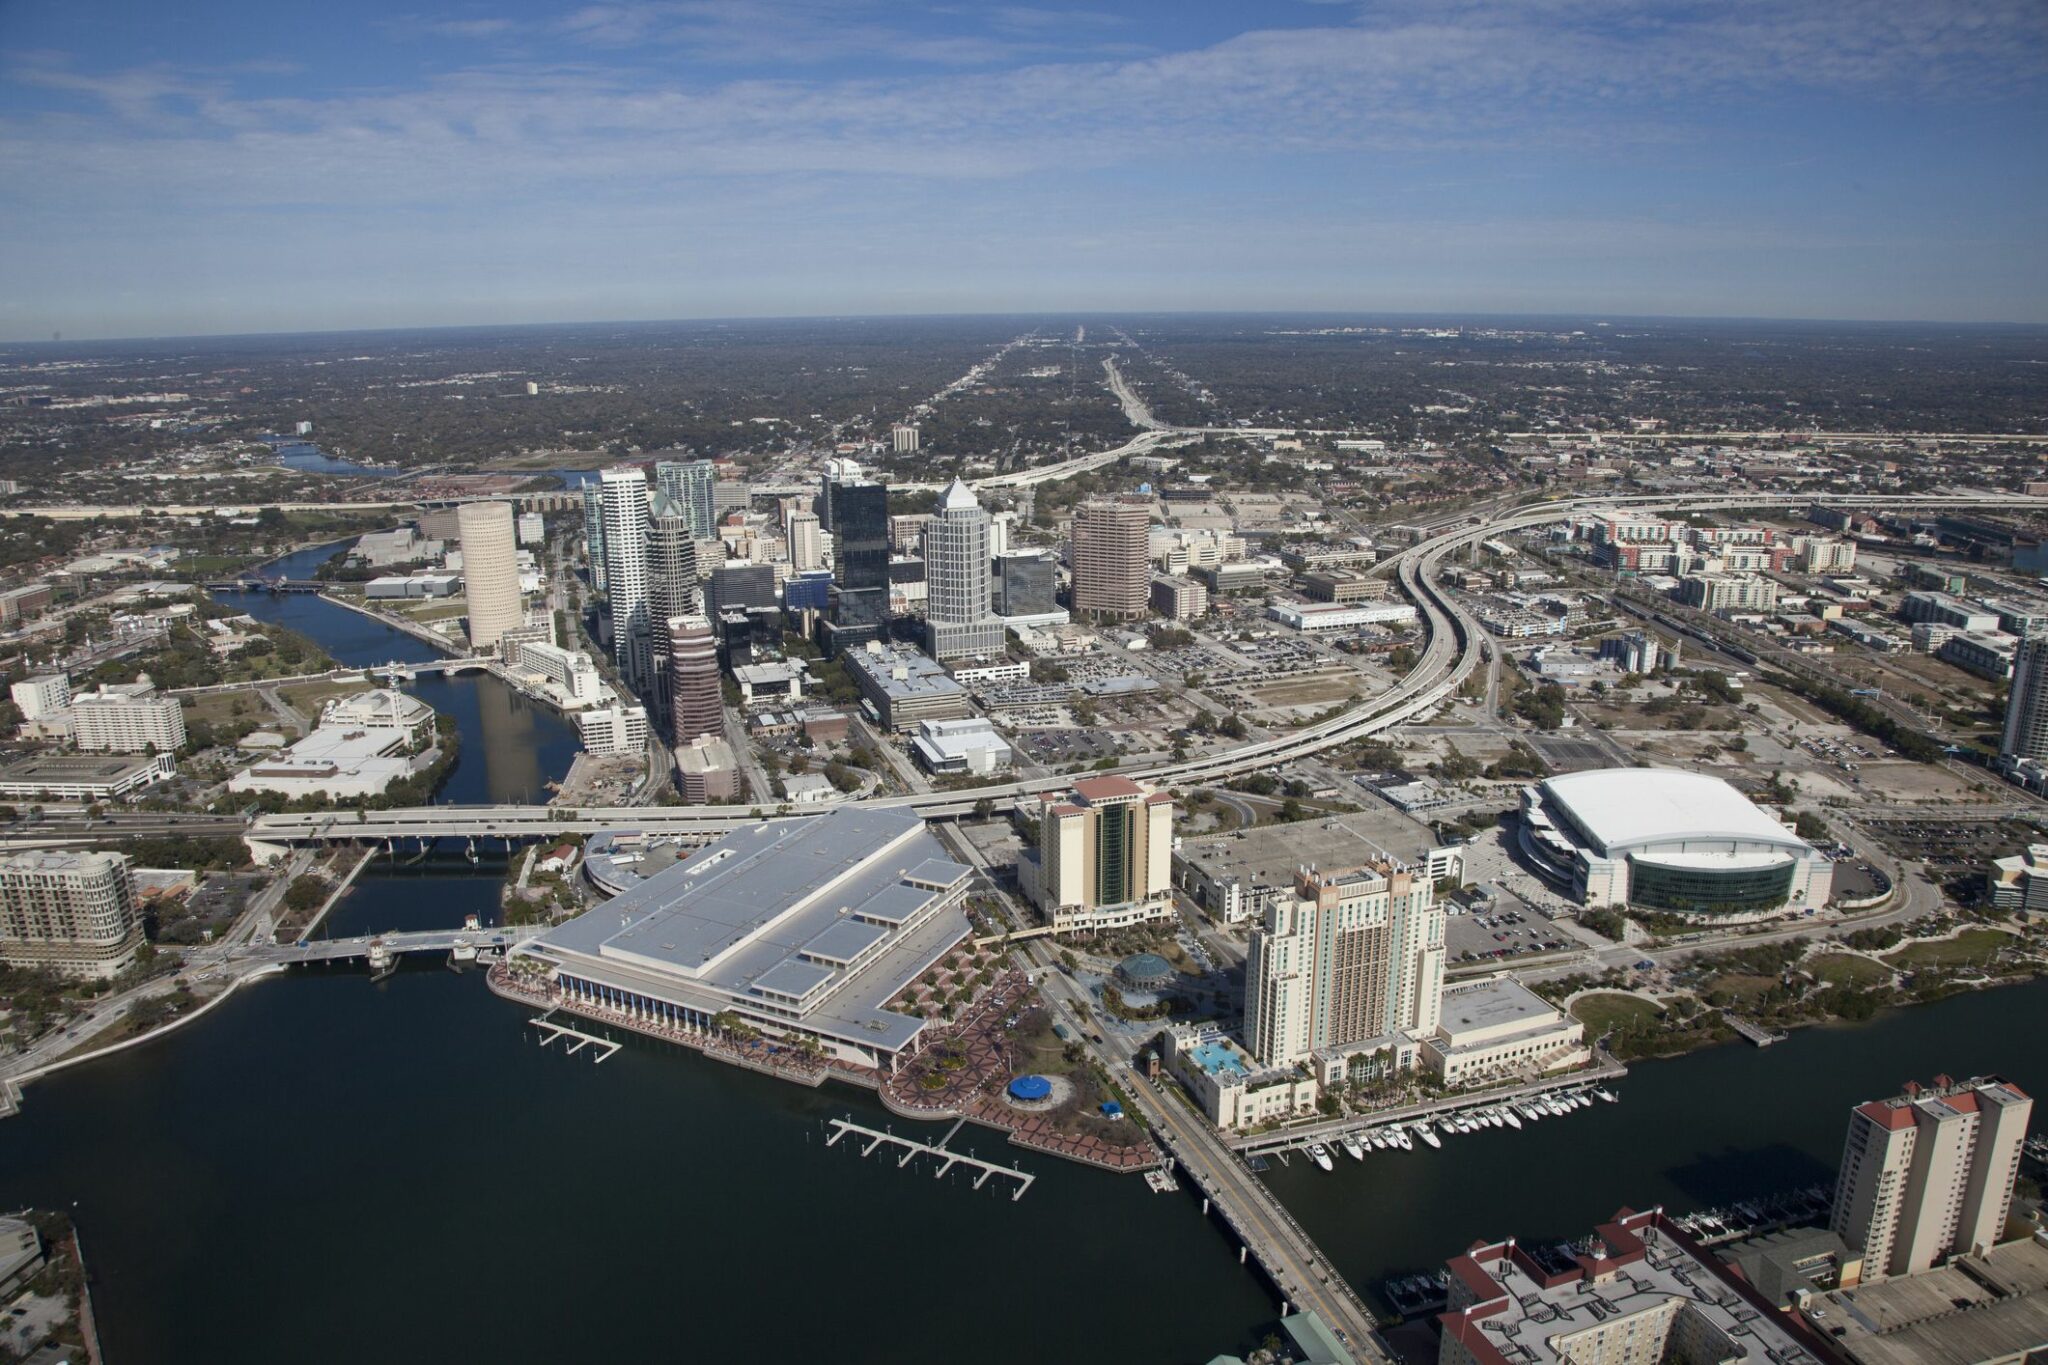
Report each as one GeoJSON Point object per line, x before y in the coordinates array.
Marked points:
{"type": "Point", "coordinates": [860, 590]}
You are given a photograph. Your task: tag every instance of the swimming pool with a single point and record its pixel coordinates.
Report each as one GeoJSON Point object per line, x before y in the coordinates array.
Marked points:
{"type": "Point", "coordinates": [1216, 1058]}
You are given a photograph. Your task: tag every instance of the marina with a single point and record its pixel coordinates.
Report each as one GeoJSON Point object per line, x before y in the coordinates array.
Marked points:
{"type": "Point", "coordinates": [1451, 1117]}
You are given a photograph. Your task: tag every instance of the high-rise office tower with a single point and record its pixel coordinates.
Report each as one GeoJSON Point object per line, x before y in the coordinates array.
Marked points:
{"type": "Point", "coordinates": [837, 471]}
{"type": "Point", "coordinates": [69, 911]}
{"type": "Point", "coordinates": [490, 570]}
{"type": "Point", "coordinates": [860, 593]}
{"type": "Point", "coordinates": [1025, 585]}
{"type": "Point", "coordinates": [958, 622]}
{"type": "Point", "coordinates": [696, 698]}
{"type": "Point", "coordinates": [671, 583]}
{"type": "Point", "coordinates": [1105, 855]}
{"type": "Point", "coordinates": [1929, 1174]}
{"type": "Point", "coordinates": [2026, 707]}
{"type": "Point", "coordinates": [593, 532]}
{"type": "Point", "coordinates": [623, 489]}
{"type": "Point", "coordinates": [806, 542]}
{"type": "Point", "coordinates": [688, 484]}
{"type": "Point", "coordinates": [1350, 956]}
{"type": "Point", "coordinates": [1112, 576]}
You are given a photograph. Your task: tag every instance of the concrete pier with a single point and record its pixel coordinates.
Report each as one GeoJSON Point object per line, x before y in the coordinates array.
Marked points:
{"type": "Point", "coordinates": [912, 1149]}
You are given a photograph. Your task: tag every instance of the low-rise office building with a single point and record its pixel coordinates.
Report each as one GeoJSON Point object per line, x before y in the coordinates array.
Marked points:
{"type": "Point", "coordinates": [69, 911]}
{"type": "Point", "coordinates": [967, 745]}
{"type": "Point", "coordinates": [2021, 881]}
{"type": "Point", "coordinates": [569, 677]}
{"type": "Point", "coordinates": [1315, 616]}
{"type": "Point", "coordinates": [707, 771]}
{"type": "Point", "coordinates": [614, 729]}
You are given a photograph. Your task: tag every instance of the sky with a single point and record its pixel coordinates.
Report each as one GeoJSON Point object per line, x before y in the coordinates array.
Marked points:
{"type": "Point", "coordinates": [216, 166]}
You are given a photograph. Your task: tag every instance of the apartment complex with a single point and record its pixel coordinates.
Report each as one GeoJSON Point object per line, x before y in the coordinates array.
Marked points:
{"type": "Point", "coordinates": [2026, 709]}
{"type": "Point", "coordinates": [69, 911]}
{"type": "Point", "coordinates": [490, 571]}
{"type": "Point", "coordinates": [1928, 1174]}
{"type": "Point", "coordinates": [127, 718]}
{"type": "Point", "coordinates": [1104, 856]}
{"type": "Point", "coordinates": [1112, 573]}
{"type": "Point", "coordinates": [1351, 957]}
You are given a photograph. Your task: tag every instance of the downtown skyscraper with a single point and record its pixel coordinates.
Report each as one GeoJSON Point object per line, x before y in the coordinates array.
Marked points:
{"type": "Point", "coordinates": [1110, 560]}
{"type": "Point", "coordinates": [958, 622]}
{"type": "Point", "coordinates": [688, 484]}
{"type": "Point", "coordinates": [857, 513]}
{"type": "Point", "coordinates": [623, 515]}
{"type": "Point", "coordinates": [671, 584]}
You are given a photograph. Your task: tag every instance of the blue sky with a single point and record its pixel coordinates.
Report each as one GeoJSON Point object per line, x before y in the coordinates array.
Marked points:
{"type": "Point", "coordinates": [269, 165]}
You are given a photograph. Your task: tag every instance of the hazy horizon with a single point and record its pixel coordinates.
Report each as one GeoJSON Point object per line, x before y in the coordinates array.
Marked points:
{"type": "Point", "coordinates": [240, 168]}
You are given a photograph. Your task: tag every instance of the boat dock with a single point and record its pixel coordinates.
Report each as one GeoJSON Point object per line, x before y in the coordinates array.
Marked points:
{"type": "Point", "coordinates": [551, 1031]}
{"type": "Point", "coordinates": [913, 1149]}
{"type": "Point", "coordinates": [1756, 1033]}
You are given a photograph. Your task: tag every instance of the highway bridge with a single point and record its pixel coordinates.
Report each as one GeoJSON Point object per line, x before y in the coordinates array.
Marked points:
{"type": "Point", "coordinates": [1448, 659]}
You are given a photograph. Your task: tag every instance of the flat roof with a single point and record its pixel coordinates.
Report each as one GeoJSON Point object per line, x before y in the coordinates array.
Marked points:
{"type": "Point", "coordinates": [74, 767]}
{"type": "Point", "coordinates": [1988, 1307]}
{"type": "Point", "coordinates": [1623, 808]}
{"type": "Point", "coordinates": [1492, 1004]}
{"type": "Point", "coordinates": [778, 909]}
{"type": "Point", "coordinates": [1269, 854]}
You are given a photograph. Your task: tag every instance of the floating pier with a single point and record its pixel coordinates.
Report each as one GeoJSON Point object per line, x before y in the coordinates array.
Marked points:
{"type": "Point", "coordinates": [912, 1149]}
{"type": "Point", "coordinates": [550, 1031]}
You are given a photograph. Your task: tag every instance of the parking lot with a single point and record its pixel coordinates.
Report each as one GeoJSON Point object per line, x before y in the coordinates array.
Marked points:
{"type": "Point", "coordinates": [1954, 845]}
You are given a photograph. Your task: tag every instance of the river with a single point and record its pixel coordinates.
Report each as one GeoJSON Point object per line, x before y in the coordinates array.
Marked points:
{"type": "Point", "coordinates": [328, 1170]}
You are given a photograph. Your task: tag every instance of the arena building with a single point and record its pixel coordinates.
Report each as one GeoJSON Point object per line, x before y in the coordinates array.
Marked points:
{"type": "Point", "coordinates": [1669, 841]}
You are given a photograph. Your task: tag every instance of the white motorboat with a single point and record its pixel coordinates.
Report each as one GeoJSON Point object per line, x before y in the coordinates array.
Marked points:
{"type": "Point", "coordinates": [1351, 1147]}
{"type": "Point", "coordinates": [1429, 1135]}
{"type": "Point", "coordinates": [1400, 1138]}
{"type": "Point", "coordinates": [1514, 1120]}
{"type": "Point", "coordinates": [1531, 1113]}
{"type": "Point", "coordinates": [1607, 1096]}
{"type": "Point", "coordinates": [1493, 1118]}
{"type": "Point", "coordinates": [1377, 1139]}
{"type": "Point", "coordinates": [1321, 1156]}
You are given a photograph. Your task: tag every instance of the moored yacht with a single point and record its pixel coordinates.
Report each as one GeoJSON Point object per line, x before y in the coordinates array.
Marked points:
{"type": "Point", "coordinates": [1321, 1156]}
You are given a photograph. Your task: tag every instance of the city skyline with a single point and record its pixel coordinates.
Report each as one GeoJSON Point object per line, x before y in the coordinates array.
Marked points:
{"type": "Point", "coordinates": [244, 170]}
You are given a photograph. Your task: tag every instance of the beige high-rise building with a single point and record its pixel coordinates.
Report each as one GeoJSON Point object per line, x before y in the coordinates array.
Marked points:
{"type": "Point", "coordinates": [490, 570]}
{"type": "Point", "coordinates": [1105, 855]}
{"type": "Point", "coordinates": [1112, 574]}
{"type": "Point", "coordinates": [1351, 956]}
{"type": "Point", "coordinates": [1929, 1174]}
{"type": "Point", "coordinates": [70, 911]}
{"type": "Point", "coordinates": [806, 542]}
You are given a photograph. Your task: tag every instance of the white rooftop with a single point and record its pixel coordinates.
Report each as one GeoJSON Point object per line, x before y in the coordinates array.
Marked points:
{"type": "Point", "coordinates": [1624, 808]}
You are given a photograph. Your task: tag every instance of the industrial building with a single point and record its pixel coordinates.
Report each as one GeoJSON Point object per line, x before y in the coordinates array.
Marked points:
{"type": "Point", "coordinates": [800, 928]}
{"type": "Point", "coordinates": [1666, 840]}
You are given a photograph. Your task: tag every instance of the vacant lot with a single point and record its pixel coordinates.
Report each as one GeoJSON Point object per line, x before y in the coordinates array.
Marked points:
{"type": "Point", "coordinates": [1315, 689]}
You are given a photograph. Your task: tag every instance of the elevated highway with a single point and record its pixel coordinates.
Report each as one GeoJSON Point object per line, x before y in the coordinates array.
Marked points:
{"type": "Point", "coordinates": [1450, 656]}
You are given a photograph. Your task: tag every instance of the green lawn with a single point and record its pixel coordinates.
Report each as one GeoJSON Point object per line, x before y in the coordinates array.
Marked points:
{"type": "Point", "coordinates": [1744, 987]}
{"type": "Point", "coordinates": [1844, 969]}
{"type": "Point", "coordinates": [1971, 947]}
{"type": "Point", "coordinates": [1603, 1011]}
